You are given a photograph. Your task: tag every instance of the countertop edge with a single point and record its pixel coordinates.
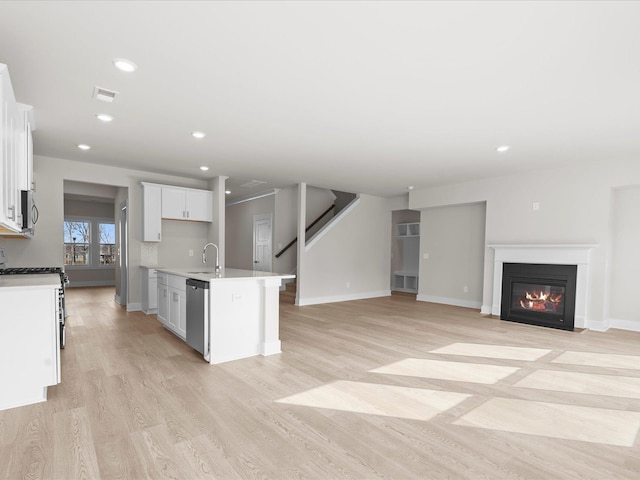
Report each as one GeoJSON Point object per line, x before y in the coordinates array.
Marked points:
{"type": "Point", "coordinates": [228, 274]}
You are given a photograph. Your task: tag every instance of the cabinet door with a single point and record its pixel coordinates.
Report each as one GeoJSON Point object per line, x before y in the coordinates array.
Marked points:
{"type": "Point", "coordinates": [153, 293]}
{"type": "Point", "coordinates": [182, 314]}
{"type": "Point", "coordinates": [151, 213]}
{"type": "Point", "coordinates": [163, 304]}
{"type": "Point", "coordinates": [177, 311]}
{"type": "Point", "coordinates": [173, 203]}
{"type": "Point", "coordinates": [10, 146]}
{"type": "Point", "coordinates": [199, 205]}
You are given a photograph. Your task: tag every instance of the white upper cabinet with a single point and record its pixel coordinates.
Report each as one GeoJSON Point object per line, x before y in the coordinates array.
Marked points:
{"type": "Point", "coordinates": [151, 212]}
{"type": "Point", "coordinates": [187, 204]}
{"type": "Point", "coordinates": [172, 203]}
{"type": "Point", "coordinates": [199, 205]}
{"type": "Point", "coordinates": [16, 160]}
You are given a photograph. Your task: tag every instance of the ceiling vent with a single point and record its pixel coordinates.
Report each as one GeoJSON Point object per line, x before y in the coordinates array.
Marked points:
{"type": "Point", "coordinates": [103, 94]}
{"type": "Point", "coordinates": [252, 184]}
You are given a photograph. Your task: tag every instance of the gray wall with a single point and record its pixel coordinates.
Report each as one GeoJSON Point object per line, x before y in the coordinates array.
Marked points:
{"type": "Point", "coordinates": [239, 230]}
{"type": "Point", "coordinates": [122, 193]}
{"type": "Point", "coordinates": [283, 206]}
{"type": "Point", "coordinates": [453, 238]}
{"type": "Point", "coordinates": [575, 208]}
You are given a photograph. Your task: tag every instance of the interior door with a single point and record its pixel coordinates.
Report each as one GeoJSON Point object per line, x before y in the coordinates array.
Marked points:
{"type": "Point", "coordinates": [262, 242]}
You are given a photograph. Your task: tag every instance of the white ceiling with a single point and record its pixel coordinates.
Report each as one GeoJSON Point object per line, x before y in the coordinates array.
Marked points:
{"type": "Point", "coordinates": [359, 96]}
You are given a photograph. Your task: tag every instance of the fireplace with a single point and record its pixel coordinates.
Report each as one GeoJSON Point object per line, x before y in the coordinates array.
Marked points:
{"type": "Point", "coordinates": [539, 294]}
{"type": "Point", "coordinates": [575, 255]}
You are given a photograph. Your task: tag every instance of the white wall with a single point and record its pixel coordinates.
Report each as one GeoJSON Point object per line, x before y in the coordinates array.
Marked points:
{"type": "Point", "coordinates": [356, 250]}
{"type": "Point", "coordinates": [453, 238]}
{"type": "Point", "coordinates": [575, 207]}
{"type": "Point", "coordinates": [46, 247]}
{"type": "Point", "coordinates": [625, 258]}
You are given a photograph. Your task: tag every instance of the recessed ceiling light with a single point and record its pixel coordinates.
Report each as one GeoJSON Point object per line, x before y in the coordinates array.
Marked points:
{"type": "Point", "coordinates": [83, 146]}
{"type": "Point", "coordinates": [198, 134]}
{"type": "Point", "coordinates": [104, 117]}
{"type": "Point", "coordinates": [227, 192]}
{"type": "Point", "coordinates": [503, 148]}
{"type": "Point", "coordinates": [410, 187]}
{"type": "Point", "coordinates": [125, 65]}
{"type": "Point", "coordinates": [204, 168]}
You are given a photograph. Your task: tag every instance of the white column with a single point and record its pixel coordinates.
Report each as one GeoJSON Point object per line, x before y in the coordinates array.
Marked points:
{"type": "Point", "coordinates": [217, 228]}
{"type": "Point", "coordinates": [302, 222]}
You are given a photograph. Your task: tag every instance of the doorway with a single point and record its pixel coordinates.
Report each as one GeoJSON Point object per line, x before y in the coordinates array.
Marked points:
{"type": "Point", "coordinates": [262, 242]}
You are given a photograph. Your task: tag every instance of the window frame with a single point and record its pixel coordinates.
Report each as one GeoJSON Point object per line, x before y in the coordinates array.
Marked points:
{"type": "Point", "coordinates": [94, 242]}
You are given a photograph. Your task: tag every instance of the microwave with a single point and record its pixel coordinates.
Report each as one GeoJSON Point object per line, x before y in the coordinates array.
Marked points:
{"type": "Point", "coordinates": [29, 211]}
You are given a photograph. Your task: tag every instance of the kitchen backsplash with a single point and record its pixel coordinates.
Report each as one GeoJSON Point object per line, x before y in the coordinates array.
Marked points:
{"type": "Point", "coordinates": [148, 253]}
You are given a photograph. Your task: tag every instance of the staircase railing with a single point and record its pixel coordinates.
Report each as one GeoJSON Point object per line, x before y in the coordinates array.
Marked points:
{"type": "Point", "coordinates": [313, 224]}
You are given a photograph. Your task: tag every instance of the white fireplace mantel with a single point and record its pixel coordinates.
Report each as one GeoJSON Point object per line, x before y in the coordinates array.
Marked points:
{"type": "Point", "coordinates": [544, 254]}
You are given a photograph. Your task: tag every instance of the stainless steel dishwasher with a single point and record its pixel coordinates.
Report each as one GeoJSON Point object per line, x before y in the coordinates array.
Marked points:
{"type": "Point", "coordinates": [198, 315]}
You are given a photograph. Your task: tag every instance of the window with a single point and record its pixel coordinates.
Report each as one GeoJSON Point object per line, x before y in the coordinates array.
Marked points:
{"type": "Point", "coordinates": [89, 242]}
{"type": "Point", "coordinates": [107, 243]}
{"type": "Point", "coordinates": [77, 239]}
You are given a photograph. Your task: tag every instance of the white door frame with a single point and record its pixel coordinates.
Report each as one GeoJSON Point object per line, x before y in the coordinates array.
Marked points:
{"type": "Point", "coordinates": [265, 266]}
{"type": "Point", "coordinates": [123, 256]}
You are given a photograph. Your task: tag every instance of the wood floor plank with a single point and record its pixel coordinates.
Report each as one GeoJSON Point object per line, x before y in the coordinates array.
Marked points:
{"type": "Point", "coordinates": [136, 402]}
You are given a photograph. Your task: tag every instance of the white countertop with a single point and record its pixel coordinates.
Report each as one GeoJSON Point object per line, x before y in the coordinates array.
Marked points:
{"type": "Point", "coordinates": [40, 280]}
{"type": "Point", "coordinates": [208, 274]}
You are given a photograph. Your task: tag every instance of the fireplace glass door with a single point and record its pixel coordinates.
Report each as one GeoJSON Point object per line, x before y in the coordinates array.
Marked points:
{"type": "Point", "coordinates": [538, 298]}
{"type": "Point", "coordinates": [539, 294]}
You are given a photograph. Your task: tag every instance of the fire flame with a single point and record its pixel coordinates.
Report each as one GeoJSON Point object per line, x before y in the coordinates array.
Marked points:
{"type": "Point", "coordinates": [538, 300]}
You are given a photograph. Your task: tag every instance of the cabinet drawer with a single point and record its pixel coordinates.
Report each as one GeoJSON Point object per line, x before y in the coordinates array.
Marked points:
{"type": "Point", "coordinates": [163, 278]}
{"type": "Point", "coordinates": [177, 282]}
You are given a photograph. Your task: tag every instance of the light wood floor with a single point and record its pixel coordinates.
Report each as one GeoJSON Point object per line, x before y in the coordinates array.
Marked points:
{"type": "Point", "coordinates": [136, 402]}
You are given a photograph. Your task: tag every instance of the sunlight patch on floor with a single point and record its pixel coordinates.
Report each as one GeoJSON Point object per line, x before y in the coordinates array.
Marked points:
{"type": "Point", "coordinates": [493, 351]}
{"type": "Point", "coordinates": [587, 383]}
{"type": "Point", "coordinates": [607, 360]}
{"type": "Point", "coordinates": [571, 422]}
{"type": "Point", "coordinates": [442, 370]}
{"type": "Point", "coordinates": [378, 399]}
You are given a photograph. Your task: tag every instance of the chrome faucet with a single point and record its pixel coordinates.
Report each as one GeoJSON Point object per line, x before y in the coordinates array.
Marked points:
{"type": "Point", "coordinates": [204, 255]}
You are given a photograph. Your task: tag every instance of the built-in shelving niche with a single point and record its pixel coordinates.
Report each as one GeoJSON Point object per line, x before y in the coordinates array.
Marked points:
{"type": "Point", "coordinates": [407, 248]}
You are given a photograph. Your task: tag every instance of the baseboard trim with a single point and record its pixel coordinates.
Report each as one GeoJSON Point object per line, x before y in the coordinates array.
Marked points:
{"type": "Point", "coordinates": [485, 310]}
{"type": "Point", "coordinates": [456, 302]}
{"type": "Point", "coordinates": [134, 307]}
{"type": "Point", "coordinates": [94, 283]}
{"type": "Point", "coordinates": [619, 323]}
{"type": "Point", "coordinates": [270, 348]}
{"type": "Point", "coordinates": [342, 298]}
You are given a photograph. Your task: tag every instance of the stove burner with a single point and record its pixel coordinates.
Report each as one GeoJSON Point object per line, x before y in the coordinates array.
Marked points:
{"type": "Point", "coordinates": [30, 270]}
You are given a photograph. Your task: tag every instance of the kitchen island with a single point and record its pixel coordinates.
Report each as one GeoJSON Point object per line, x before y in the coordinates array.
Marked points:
{"type": "Point", "coordinates": [242, 316]}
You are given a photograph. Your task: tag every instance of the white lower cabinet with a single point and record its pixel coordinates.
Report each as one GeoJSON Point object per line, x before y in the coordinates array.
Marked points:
{"type": "Point", "coordinates": [172, 303]}
{"type": "Point", "coordinates": [30, 341]}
